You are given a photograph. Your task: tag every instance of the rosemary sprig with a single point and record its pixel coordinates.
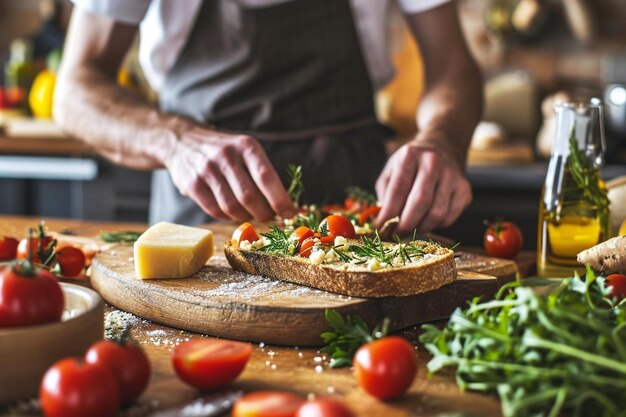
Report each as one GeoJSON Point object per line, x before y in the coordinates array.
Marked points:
{"type": "Point", "coordinates": [119, 237]}
{"type": "Point", "coordinates": [587, 181]}
{"type": "Point", "coordinates": [348, 335]}
{"type": "Point", "coordinates": [279, 243]}
{"type": "Point", "coordinates": [296, 187]}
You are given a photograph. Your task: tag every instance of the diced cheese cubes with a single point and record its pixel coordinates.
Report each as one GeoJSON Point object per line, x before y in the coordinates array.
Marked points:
{"type": "Point", "coordinates": [168, 250]}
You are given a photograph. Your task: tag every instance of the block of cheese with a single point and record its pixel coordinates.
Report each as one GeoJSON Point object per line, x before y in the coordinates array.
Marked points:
{"type": "Point", "coordinates": [168, 250]}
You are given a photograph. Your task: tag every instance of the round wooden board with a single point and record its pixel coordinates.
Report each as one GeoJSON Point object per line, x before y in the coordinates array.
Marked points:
{"type": "Point", "coordinates": [221, 302]}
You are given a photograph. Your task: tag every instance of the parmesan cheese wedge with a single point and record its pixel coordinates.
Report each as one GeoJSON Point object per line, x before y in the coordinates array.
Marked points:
{"type": "Point", "coordinates": [168, 250]}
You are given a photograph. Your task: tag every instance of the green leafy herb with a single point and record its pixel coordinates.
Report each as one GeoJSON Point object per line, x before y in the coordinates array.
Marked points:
{"type": "Point", "coordinates": [120, 237]}
{"type": "Point", "coordinates": [587, 179]}
{"type": "Point", "coordinates": [564, 351]}
{"type": "Point", "coordinates": [296, 187]}
{"type": "Point", "coordinates": [348, 335]}
{"type": "Point", "coordinates": [374, 248]}
{"type": "Point", "coordinates": [359, 194]}
{"type": "Point", "coordinates": [279, 243]}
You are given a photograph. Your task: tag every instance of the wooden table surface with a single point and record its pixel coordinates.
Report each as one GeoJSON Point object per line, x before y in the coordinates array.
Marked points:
{"type": "Point", "coordinates": [44, 146]}
{"type": "Point", "coordinates": [272, 367]}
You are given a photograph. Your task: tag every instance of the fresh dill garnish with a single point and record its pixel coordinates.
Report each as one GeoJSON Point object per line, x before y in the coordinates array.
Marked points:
{"type": "Point", "coordinates": [296, 187]}
{"type": "Point", "coordinates": [279, 243]}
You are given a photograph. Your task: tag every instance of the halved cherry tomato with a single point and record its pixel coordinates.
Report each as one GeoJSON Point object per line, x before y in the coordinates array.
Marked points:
{"type": "Point", "coordinates": [325, 240]}
{"type": "Point", "coordinates": [71, 260]}
{"type": "Point", "coordinates": [210, 363]}
{"type": "Point", "coordinates": [128, 363]}
{"type": "Point", "coordinates": [337, 225]}
{"type": "Point", "coordinates": [349, 202]}
{"type": "Point", "coordinates": [385, 368]}
{"type": "Point", "coordinates": [244, 232]}
{"type": "Point", "coordinates": [333, 208]}
{"type": "Point", "coordinates": [73, 388]}
{"type": "Point", "coordinates": [303, 233]}
{"type": "Point", "coordinates": [367, 214]}
{"type": "Point", "coordinates": [503, 240]}
{"type": "Point", "coordinates": [29, 296]}
{"type": "Point", "coordinates": [306, 246]}
{"type": "Point", "coordinates": [267, 404]}
{"type": "Point", "coordinates": [617, 282]}
{"type": "Point", "coordinates": [8, 248]}
{"type": "Point", "coordinates": [324, 407]}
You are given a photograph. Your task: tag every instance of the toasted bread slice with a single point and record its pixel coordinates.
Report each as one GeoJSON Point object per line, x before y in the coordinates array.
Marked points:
{"type": "Point", "coordinates": [435, 269]}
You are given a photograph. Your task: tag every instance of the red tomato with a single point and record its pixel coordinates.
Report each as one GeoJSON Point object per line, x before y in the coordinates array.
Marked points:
{"type": "Point", "coordinates": [29, 296]}
{"type": "Point", "coordinates": [71, 260]}
{"type": "Point", "coordinates": [305, 248]}
{"type": "Point", "coordinates": [41, 249]}
{"type": "Point", "coordinates": [350, 202]}
{"type": "Point", "coordinates": [128, 363]}
{"type": "Point", "coordinates": [244, 232]}
{"type": "Point", "coordinates": [210, 363]}
{"type": "Point", "coordinates": [333, 208]}
{"type": "Point", "coordinates": [267, 404]}
{"type": "Point", "coordinates": [324, 407]}
{"type": "Point", "coordinates": [367, 214]}
{"type": "Point", "coordinates": [8, 248]}
{"type": "Point", "coordinates": [503, 240]}
{"type": "Point", "coordinates": [303, 233]}
{"type": "Point", "coordinates": [72, 388]}
{"type": "Point", "coordinates": [385, 368]}
{"type": "Point", "coordinates": [338, 225]}
{"type": "Point", "coordinates": [617, 282]}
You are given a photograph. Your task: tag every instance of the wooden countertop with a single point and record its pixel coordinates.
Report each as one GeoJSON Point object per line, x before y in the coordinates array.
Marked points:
{"type": "Point", "coordinates": [272, 367]}
{"type": "Point", "coordinates": [44, 146]}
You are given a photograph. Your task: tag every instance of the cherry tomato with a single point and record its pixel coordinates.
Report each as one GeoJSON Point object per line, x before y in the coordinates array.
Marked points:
{"type": "Point", "coordinates": [303, 233]}
{"type": "Point", "coordinates": [244, 232]}
{"type": "Point", "coordinates": [333, 208]}
{"type": "Point", "coordinates": [73, 388]}
{"type": "Point", "coordinates": [128, 363]}
{"type": "Point", "coordinates": [29, 296]}
{"type": "Point", "coordinates": [503, 240]}
{"type": "Point", "coordinates": [305, 247]}
{"type": "Point", "coordinates": [324, 407]}
{"type": "Point", "coordinates": [350, 202]}
{"type": "Point", "coordinates": [267, 404]}
{"type": "Point", "coordinates": [617, 282]}
{"type": "Point", "coordinates": [210, 363]}
{"type": "Point", "coordinates": [71, 260]}
{"type": "Point", "coordinates": [338, 225]}
{"type": "Point", "coordinates": [41, 249]}
{"type": "Point", "coordinates": [367, 214]}
{"type": "Point", "coordinates": [385, 368]}
{"type": "Point", "coordinates": [8, 248]}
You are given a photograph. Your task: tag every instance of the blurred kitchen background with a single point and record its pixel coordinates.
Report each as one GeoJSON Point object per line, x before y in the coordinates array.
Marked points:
{"type": "Point", "coordinates": [533, 53]}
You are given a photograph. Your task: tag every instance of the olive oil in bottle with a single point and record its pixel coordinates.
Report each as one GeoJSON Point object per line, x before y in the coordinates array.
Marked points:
{"type": "Point", "coordinates": [574, 209]}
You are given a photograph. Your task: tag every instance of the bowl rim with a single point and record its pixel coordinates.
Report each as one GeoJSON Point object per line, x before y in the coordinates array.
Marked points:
{"type": "Point", "coordinates": [93, 302]}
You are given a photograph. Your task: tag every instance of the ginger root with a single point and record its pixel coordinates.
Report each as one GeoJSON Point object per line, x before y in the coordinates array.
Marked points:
{"type": "Point", "coordinates": [607, 257]}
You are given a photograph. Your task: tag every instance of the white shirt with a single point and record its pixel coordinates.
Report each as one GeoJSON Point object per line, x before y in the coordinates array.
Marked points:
{"type": "Point", "coordinates": [164, 26]}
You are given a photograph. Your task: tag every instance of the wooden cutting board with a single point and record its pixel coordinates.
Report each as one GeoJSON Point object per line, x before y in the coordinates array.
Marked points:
{"type": "Point", "coordinates": [221, 302]}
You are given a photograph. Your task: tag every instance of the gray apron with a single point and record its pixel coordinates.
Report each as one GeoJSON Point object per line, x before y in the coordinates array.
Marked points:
{"type": "Point", "coordinates": [291, 75]}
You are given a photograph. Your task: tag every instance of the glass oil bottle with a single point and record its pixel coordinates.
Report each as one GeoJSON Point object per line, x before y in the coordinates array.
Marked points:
{"type": "Point", "coordinates": [574, 208]}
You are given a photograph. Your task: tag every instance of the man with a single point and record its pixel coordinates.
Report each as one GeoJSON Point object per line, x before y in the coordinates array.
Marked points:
{"type": "Point", "coordinates": [248, 86]}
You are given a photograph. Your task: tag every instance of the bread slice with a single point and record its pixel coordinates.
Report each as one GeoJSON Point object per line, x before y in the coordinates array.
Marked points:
{"type": "Point", "coordinates": [428, 273]}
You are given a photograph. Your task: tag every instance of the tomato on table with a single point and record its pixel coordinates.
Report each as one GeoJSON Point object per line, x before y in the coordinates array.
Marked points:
{"type": "Point", "coordinates": [210, 363]}
{"type": "Point", "coordinates": [503, 239]}
{"type": "Point", "coordinates": [29, 296]}
{"type": "Point", "coordinates": [8, 248]}
{"type": "Point", "coordinates": [303, 233]}
{"type": "Point", "coordinates": [337, 225]}
{"type": "Point", "coordinates": [42, 248]}
{"type": "Point", "coordinates": [385, 368]}
{"type": "Point", "coordinates": [617, 283]}
{"type": "Point", "coordinates": [267, 404]}
{"type": "Point", "coordinates": [71, 261]}
{"type": "Point", "coordinates": [73, 388]}
{"type": "Point", "coordinates": [333, 208]}
{"type": "Point", "coordinates": [128, 363]}
{"type": "Point", "coordinates": [367, 214]}
{"type": "Point", "coordinates": [244, 232]}
{"type": "Point", "coordinates": [324, 407]}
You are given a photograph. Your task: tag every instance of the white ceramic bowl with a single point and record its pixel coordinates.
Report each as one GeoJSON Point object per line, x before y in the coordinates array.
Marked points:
{"type": "Point", "coordinates": [27, 352]}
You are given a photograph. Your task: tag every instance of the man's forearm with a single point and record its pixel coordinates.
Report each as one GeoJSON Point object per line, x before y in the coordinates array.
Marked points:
{"type": "Point", "coordinates": [91, 106]}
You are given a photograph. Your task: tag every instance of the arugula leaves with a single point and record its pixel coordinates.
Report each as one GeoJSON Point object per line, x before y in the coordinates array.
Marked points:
{"type": "Point", "coordinates": [348, 335]}
{"type": "Point", "coordinates": [542, 354]}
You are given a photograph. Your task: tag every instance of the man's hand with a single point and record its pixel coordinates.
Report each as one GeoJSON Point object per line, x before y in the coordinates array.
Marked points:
{"type": "Point", "coordinates": [425, 186]}
{"type": "Point", "coordinates": [229, 176]}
